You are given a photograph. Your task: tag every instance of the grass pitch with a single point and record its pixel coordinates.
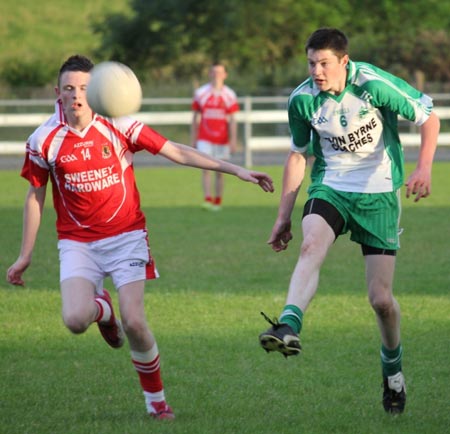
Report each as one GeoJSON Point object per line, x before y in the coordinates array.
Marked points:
{"type": "Point", "coordinates": [217, 274]}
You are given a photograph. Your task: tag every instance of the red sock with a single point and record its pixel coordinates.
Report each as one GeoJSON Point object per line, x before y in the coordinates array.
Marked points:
{"type": "Point", "coordinates": [217, 200]}
{"type": "Point", "coordinates": [208, 199]}
{"type": "Point", "coordinates": [148, 369]}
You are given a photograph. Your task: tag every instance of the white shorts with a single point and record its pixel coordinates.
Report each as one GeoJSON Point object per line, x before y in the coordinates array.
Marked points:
{"type": "Point", "coordinates": [222, 152]}
{"type": "Point", "coordinates": [125, 258]}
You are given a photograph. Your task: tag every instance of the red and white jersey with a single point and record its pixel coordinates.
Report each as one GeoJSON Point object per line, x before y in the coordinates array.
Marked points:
{"type": "Point", "coordinates": [215, 106]}
{"type": "Point", "coordinates": [94, 188]}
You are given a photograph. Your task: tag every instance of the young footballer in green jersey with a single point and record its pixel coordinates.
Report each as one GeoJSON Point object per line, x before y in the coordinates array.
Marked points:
{"type": "Point", "coordinates": [349, 110]}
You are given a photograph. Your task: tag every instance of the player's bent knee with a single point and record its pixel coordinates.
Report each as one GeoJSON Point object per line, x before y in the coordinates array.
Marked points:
{"type": "Point", "coordinates": [76, 324]}
{"type": "Point", "coordinates": [382, 304]}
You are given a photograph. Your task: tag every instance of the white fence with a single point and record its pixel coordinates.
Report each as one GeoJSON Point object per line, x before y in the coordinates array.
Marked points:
{"type": "Point", "coordinates": [249, 116]}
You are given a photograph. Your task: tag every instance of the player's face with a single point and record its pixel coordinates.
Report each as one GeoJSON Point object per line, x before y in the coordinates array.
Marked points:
{"type": "Point", "coordinates": [327, 70]}
{"type": "Point", "coordinates": [72, 93]}
{"type": "Point", "coordinates": [218, 74]}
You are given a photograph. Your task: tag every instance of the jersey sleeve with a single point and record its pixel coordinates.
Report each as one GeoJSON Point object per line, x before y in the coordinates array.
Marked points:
{"type": "Point", "coordinates": [300, 129]}
{"type": "Point", "coordinates": [139, 136]}
{"type": "Point", "coordinates": [233, 108]}
{"type": "Point", "coordinates": [150, 140]}
{"type": "Point", "coordinates": [398, 95]}
{"type": "Point", "coordinates": [196, 105]}
{"type": "Point", "coordinates": [230, 100]}
{"type": "Point", "coordinates": [36, 175]}
{"type": "Point", "coordinates": [35, 168]}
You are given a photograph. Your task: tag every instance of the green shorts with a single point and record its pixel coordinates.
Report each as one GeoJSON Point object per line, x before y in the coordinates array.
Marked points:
{"type": "Point", "coordinates": [372, 218]}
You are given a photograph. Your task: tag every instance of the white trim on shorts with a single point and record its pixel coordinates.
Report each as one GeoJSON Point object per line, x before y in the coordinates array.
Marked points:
{"type": "Point", "coordinates": [125, 258]}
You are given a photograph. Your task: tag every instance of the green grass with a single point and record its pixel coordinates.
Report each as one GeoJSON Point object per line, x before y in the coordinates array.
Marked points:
{"type": "Point", "coordinates": [216, 275]}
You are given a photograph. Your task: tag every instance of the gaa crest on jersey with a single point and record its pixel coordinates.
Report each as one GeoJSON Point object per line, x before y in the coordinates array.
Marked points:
{"type": "Point", "coordinates": [106, 151]}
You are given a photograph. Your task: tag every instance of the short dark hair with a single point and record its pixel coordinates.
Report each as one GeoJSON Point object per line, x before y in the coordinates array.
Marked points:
{"type": "Point", "coordinates": [328, 38]}
{"type": "Point", "coordinates": [217, 62]}
{"type": "Point", "coordinates": [76, 63]}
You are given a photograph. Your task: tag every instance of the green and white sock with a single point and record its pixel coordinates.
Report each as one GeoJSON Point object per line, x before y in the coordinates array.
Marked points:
{"type": "Point", "coordinates": [391, 360]}
{"type": "Point", "coordinates": [292, 316]}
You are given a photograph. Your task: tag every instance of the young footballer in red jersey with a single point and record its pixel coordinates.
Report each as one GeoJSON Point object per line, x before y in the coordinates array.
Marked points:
{"type": "Point", "coordinates": [100, 225]}
{"type": "Point", "coordinates": [214, 128]}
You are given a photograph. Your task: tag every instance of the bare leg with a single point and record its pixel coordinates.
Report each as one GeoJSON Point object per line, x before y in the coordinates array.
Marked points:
{"type": "Point", "coordinates": [283, 335]}
{"type": "Point", "coordinates": [219, 184]}
{"type": "Point", "coordinates": [131, 302]}
{"type": "Point", "coordinates": [379, 276]}
{"type": "Point", "coordinates": [144, 350]}
{"type": "Point", "coordinates": [317, 239]}
{"type": "Point", "coordinates": [206, 183]}
{"type": "Point", "coordinates": [78, 306]}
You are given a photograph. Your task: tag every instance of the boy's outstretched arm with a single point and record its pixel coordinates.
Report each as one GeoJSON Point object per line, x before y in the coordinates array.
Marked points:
{"type": "Point", "coordinates": [188, 156]}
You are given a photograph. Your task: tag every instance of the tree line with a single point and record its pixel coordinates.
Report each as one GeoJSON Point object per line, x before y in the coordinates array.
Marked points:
{"type": "Point", "coordinates": [262, 41]}
{"type": "Point", "coordinates": [265, 38]}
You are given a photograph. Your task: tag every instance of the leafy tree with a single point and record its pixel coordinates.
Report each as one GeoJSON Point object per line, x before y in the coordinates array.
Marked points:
{"type": "Point", "coordinates": [404, 37]}
{"type": "Point", "coordinates": [182, 37]}
{"type": "Point", "coordinates": [263, 39]}
{"type": "Point", "coordinates": [25, 73]}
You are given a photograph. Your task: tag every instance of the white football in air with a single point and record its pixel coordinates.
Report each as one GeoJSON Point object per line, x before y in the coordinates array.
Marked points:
{"type": "Point", "coordinates": [114, 90]}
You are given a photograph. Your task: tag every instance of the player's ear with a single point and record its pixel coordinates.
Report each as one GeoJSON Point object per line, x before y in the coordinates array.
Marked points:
{"type": "Point", "coordinates": [345, 60]}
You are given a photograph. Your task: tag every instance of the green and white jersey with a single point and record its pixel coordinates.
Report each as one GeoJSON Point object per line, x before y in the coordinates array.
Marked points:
{"type": "Point", "coordinates": [354, 134]}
